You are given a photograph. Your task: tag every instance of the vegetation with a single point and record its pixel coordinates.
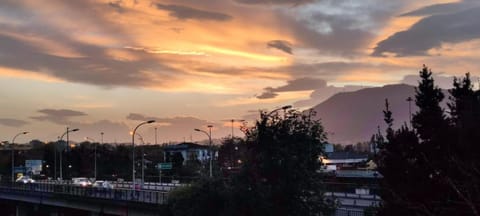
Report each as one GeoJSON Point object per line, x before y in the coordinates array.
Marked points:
{"type": "Point", "coordinates": [278, 175]}
{"type": "Point", "coordinates": [433, 168]}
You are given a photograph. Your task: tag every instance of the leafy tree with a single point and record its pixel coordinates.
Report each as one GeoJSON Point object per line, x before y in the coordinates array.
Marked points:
{"type": "Point", "coordinates": [279, 176]}
{"type": "Point", "coordinates": [204, 197]}
{"type": "Point", "coordinates": [231, 154]}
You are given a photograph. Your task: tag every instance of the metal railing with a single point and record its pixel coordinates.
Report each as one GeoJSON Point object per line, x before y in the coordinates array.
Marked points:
{"type": "Point", "coordinates": [125, 184]}
{"type": "Point", "coordinates": [140, 196]}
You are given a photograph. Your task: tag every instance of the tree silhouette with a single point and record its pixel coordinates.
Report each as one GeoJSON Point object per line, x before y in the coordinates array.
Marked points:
{"type": "Point", "coordinates": [433, 168]}
{"type": "Point", "coordinates": [280, 175]}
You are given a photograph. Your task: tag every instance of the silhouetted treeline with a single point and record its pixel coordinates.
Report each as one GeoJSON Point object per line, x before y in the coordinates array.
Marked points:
{"type": "Point", "coordinates": [432, 166]}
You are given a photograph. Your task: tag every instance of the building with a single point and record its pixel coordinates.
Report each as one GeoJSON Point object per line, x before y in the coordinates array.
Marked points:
{"type": "Point", "coordinates": [189, 151]}
{"type": "Point", "coordinates": [344, 160]}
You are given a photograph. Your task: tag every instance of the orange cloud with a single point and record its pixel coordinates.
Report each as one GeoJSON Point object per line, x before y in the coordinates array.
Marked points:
{"type": "Point", "coordinates": [23, 74]}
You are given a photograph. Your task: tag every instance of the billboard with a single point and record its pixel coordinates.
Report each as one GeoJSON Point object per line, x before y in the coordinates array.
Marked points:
{"type": "Point", "coordinates": [33, 166]}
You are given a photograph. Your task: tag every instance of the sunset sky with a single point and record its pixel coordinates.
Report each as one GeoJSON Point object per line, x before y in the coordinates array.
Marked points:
{"type": "Point", "coordinates": [103, 65]}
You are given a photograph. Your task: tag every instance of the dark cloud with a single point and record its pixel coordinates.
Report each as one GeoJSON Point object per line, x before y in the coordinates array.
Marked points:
{"type": "Point", "coordinates": [437, 9]}
{"type": "Point", "coordinates": [275, 2]}
{"type": "Point", "coordinates": [282, 45]}
{"type": "Point", "coordinates": [268, 93]}
{"type": "Point", "coordinates": [432, 32]}
{"type": "Point", "coordinates": [117, 5]}
{"type": "Point", "coordinates": [91, 63]}
{"type": "Point", "coordinates": [185, 13]}
{"type": "Point", "coordinates": [138, 117]}
{"type": "Point", "coordinates": [337, 39]}
{"type": "Point", "coordinates": [301, 84]}
{"type": "Point", "coordinates": [58, 116]}
{"type": "Point", "coordinates": [94, 67]}
{"type": "Point", "coordinates": [322, 94]}
{"type": "Point", "coordinates": [12, 122]}
{"type": "Point", "coordinates": [346, 32]}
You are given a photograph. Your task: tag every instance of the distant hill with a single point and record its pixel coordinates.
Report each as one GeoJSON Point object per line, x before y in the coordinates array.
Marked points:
{"type": "Point", "coordinates": [351, 117]}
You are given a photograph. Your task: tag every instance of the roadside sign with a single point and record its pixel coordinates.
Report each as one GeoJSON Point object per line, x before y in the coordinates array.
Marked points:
{"type": "Point", "coordinates": [164, 166]}
{"type": "Point", "coordinates": [19, 169]}
{"type": "Point", "coordinates": [34, 166]}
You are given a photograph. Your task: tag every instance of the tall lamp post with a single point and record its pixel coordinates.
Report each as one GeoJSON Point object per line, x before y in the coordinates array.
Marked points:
{"type": "Point", "coordinates": [156, 136]}
{"type": "Point", "coordinates": [209, 134]}
{"type": "Point", "coordinates": [143, 156]}
{"type": "Point", "coordinates": [95, 157]}
{"type": "Point", "coordinates": [133, 149]}
{"type": "Point", "coordinates": [101, 143]}
{"type": "Point", "coordinates": [232, 121]}
{"type": "Point", "coordinates": [13, 153]}
{"type": "Point", "coordinates": [61, 138]}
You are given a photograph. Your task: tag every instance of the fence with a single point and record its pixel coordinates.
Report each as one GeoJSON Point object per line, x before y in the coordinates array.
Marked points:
{"type": "Point", "coordinates": [142, 196]}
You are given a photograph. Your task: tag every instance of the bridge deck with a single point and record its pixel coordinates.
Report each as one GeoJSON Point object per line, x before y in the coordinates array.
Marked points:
{"type": "Point", "coordinates": [140, 196]}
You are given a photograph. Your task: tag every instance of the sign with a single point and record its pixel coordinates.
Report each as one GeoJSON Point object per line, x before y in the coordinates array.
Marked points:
{"type": "Point", "coordinates": [34, 166]}
{"type": "Point", "coordinates": [19, 169]}
{"type": "Point", "coordinates": [164, 166]}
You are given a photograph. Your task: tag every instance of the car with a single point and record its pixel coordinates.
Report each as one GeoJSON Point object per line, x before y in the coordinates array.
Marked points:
{"type": "Point", "coordinates": [84, 182]}
{"type": "Point", "coordinates": [25, 180]}
{"type": "Point", "coordinates": [102, 184]}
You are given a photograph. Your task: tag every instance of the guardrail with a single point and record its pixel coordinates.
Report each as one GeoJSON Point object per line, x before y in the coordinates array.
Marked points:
{"type": "Point", "coordinates": [140, 196]}
{"type": "Point", "coordinates": [125, 184]}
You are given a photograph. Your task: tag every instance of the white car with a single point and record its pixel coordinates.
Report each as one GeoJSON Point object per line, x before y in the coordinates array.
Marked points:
{"type": "Point", "coordinates": [84, 182]}
{"type": "Point", "coordinates": [25, 180]}
{"type": "Point", "coordinates": [102, 184]}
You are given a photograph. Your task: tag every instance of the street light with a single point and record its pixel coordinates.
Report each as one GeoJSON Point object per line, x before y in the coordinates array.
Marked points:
{"type": "Point", "coordinates": [156, 136]}
{"type": "Point", "coordinates": [133, 149]}
{"type": "Point", "coordinates": [95, 155]}
{"type": "Point", "coordinates": [101, 134]}
{"type": "Point", "coordinates": [209, 134]}
{"type": "Point", "coordinates": [232, 121]}
{"type": "Point", "coordinates": [143, 156]}
{"type": "Point", "coordinates": [13, 153]}
{"type": "Point", "coordinates": [61, 138]}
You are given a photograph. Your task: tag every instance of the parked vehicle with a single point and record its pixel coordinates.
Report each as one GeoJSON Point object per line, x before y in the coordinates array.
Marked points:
{"type": "Point", "coordinates": [84, 182]}
{"type": "Point", "coordinates": [102, 184]}
{"type": "Point", "coordinates": [25, 180]}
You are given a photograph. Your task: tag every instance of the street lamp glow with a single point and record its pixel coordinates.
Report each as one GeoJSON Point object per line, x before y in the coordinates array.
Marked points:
{"type": "Point", "coordinates": [61, 138]}
{"type": "Point", "coordinates": [133, 149]}
{"type": "Point", "coordinates": [13, 153]}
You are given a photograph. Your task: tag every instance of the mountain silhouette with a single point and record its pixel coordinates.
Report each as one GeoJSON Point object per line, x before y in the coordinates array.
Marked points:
{"type": "Point", "coordinates": [351, 117]}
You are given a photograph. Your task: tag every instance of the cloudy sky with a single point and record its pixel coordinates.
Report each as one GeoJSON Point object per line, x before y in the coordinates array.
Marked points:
{"type": "Point", "coordinates": [104, 66]}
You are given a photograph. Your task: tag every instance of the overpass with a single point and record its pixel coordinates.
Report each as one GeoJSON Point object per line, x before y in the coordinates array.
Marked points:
{"type": "Point", "coordinates": [95, 201]}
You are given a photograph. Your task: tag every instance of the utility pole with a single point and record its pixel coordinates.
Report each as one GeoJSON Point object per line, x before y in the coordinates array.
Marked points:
{"type": "Point", "coordinates": [409, 99]}
{"type": "Point", "coordinates": [156, 136]}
